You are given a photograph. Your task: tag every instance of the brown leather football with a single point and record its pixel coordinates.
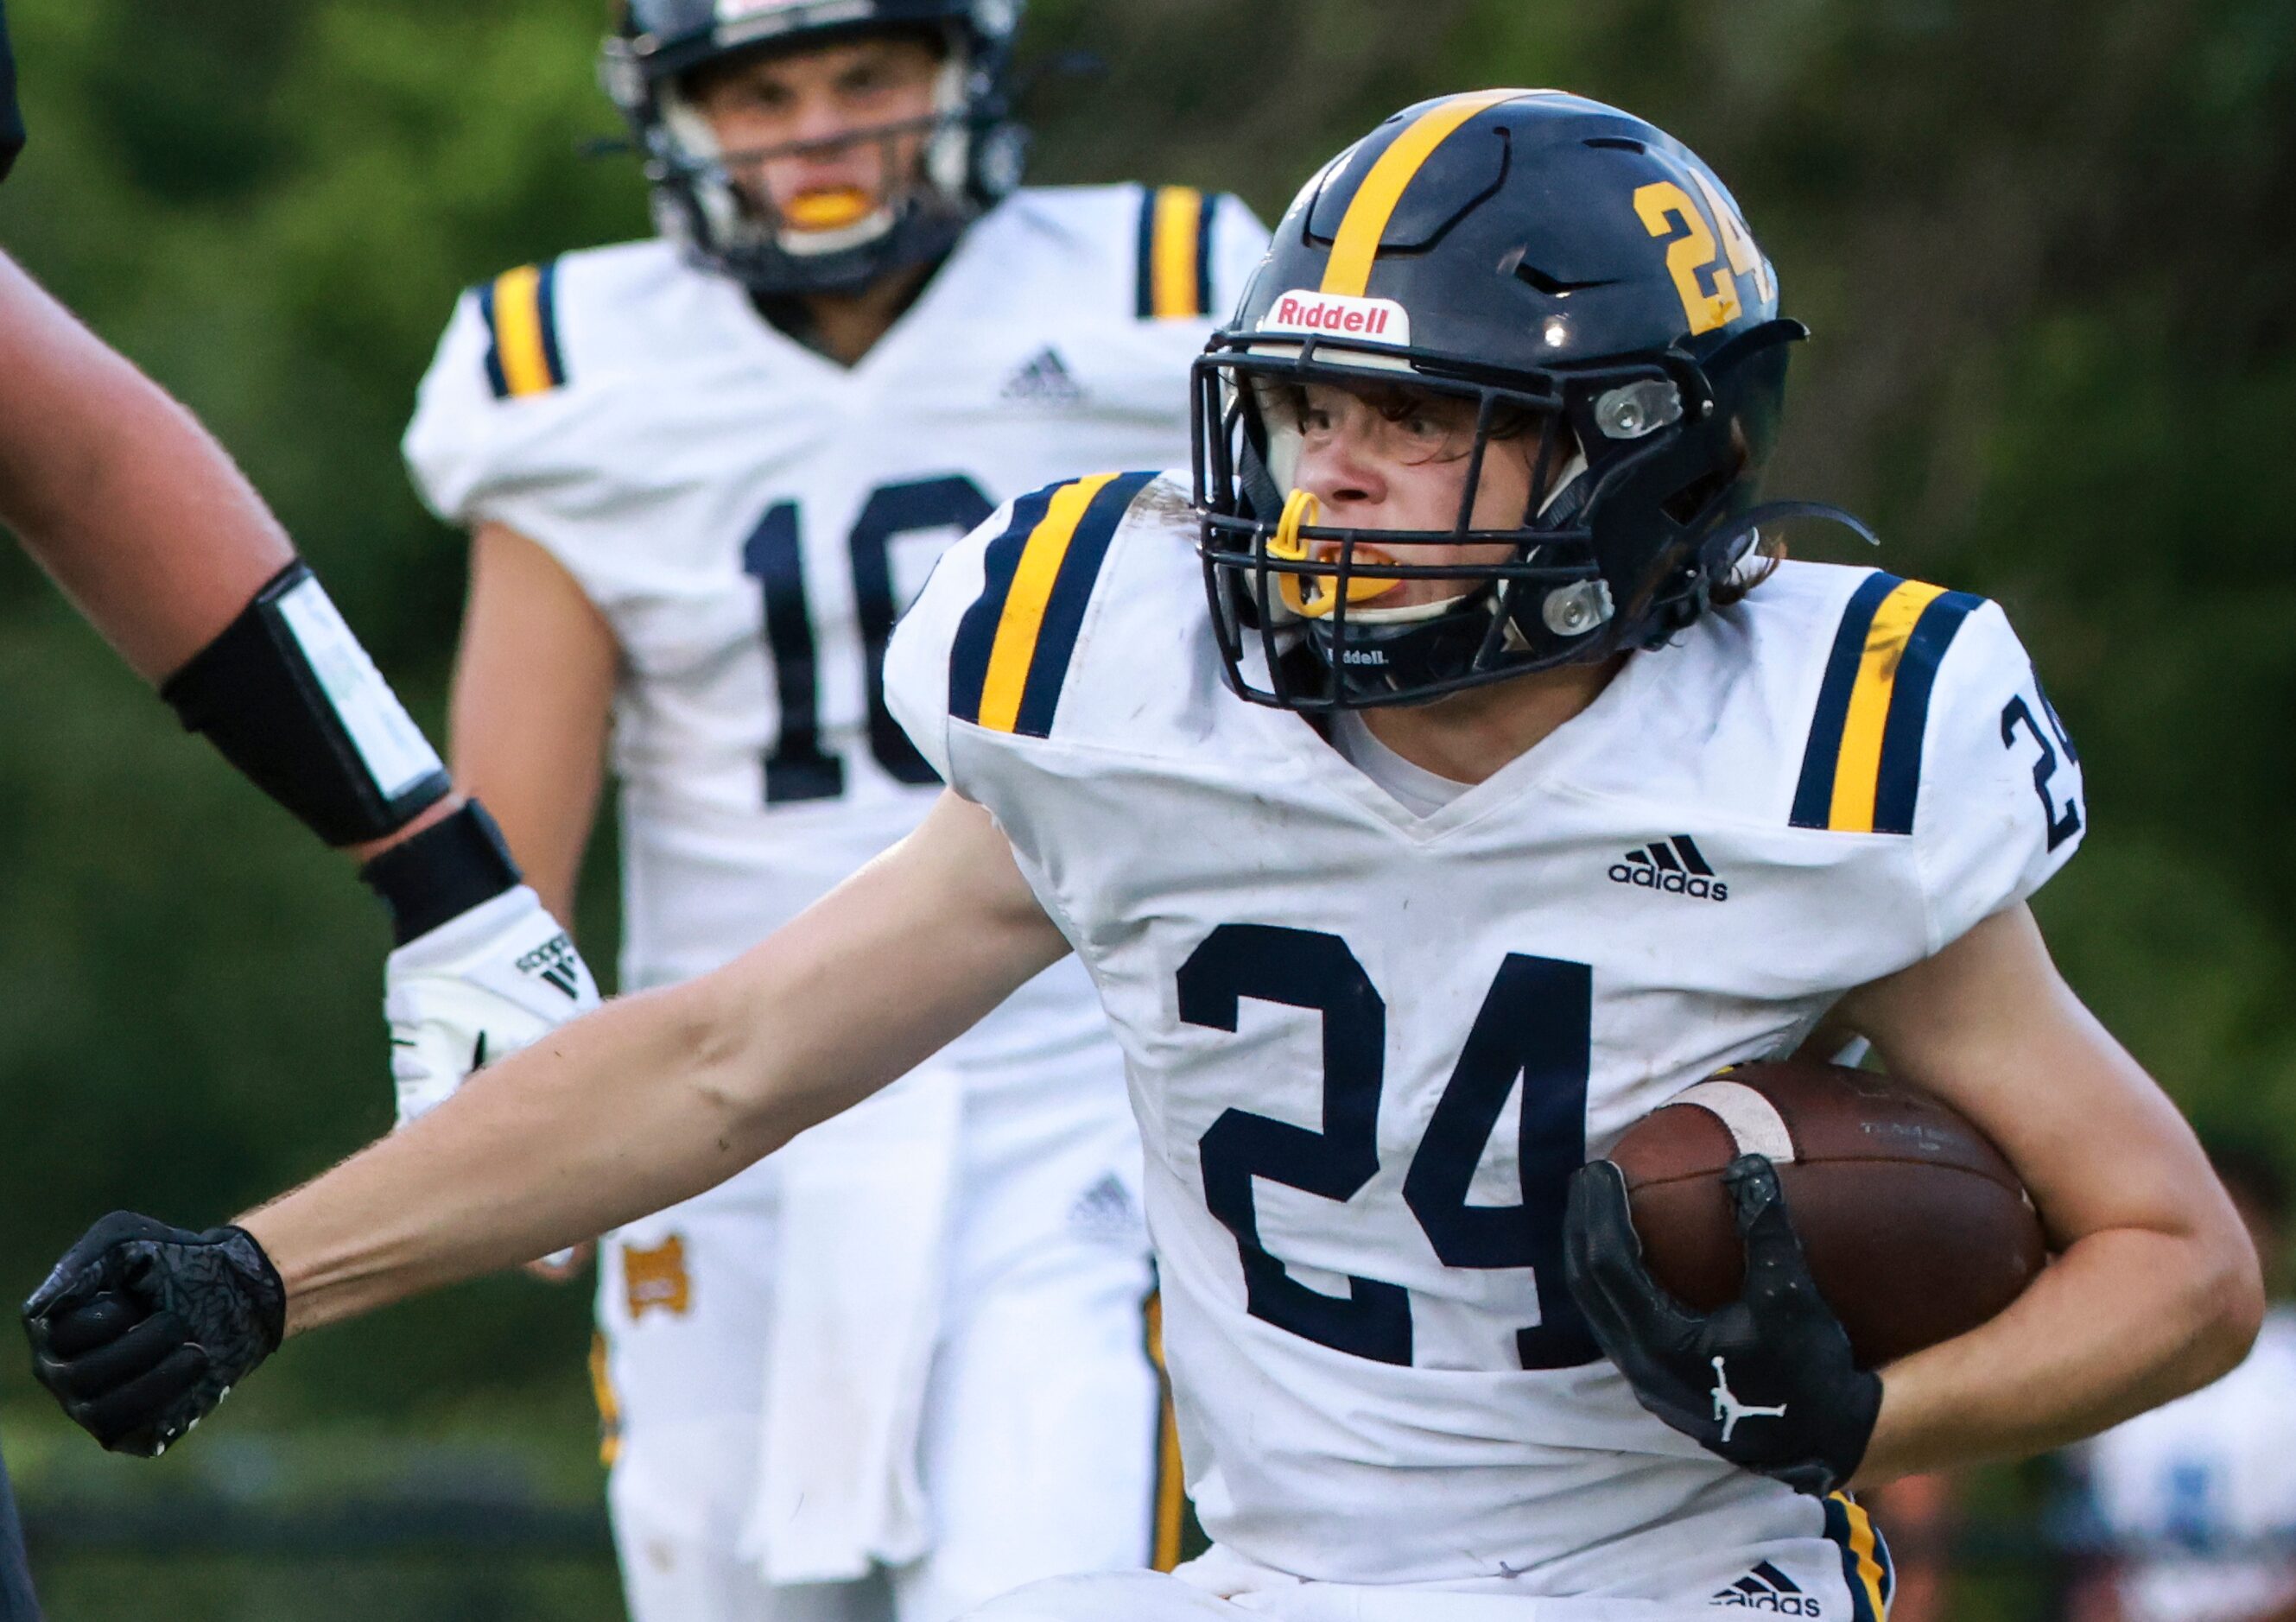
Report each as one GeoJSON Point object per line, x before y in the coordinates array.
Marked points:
{"type": "Point", "coordinates": [1915, 1224]}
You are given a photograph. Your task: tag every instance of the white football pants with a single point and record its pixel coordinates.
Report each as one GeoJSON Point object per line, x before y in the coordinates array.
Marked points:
{"type": "Point", "coordinates": [1037, 1444]}
{"type": "Point", "coordinates": [1146, 1596]}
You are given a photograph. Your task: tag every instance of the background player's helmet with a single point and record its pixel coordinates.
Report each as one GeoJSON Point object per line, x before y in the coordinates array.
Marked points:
{"type": "Point", "coordinates": [1580, 276]}
{"type": "Point", "coordinates": [12, 123]}
{"type": "Point", "coordinates": [973, 156]}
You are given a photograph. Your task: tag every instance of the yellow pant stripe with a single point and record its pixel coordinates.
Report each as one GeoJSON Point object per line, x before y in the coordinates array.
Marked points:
{"type": "Point", "coordinates": [610, 1406]}
{"type": "Point", "coordinates": [1862, 1556]}
{"type": "Point", "coordinates": [1171, 1486]}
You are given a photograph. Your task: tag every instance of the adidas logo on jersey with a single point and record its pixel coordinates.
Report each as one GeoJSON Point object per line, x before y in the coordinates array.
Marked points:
{"type": "Point", "coordinates": [1675, 866]}
{"type": "Point", "coordinates": [1767, 1588]}
{"type": "Point", "coordinates": [1104, 1211]}
{"type": "Point", "coordinates": [555, 962]}
{"type": "Point", "coordinates": [1044, 378]}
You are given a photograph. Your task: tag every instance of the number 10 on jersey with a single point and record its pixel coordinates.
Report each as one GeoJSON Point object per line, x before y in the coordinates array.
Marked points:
{"type": "Point", "coordinates": [796, 766]}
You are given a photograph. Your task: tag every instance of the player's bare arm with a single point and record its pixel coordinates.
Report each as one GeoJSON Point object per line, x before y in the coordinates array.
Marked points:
{"type": "Point", "coordinates": [533, 750]}
{"type": "Point", "coordinates": [148, 526]}
{"type": "Point", "coordinates": [113, 486]}
{"type": "Point", "coordinates": [646, 1103]}
{"type": "Point", "coordinates": [2154, 1292]}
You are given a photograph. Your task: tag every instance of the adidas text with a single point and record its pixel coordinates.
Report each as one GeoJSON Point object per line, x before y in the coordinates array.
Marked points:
{"type": "Point", "coordinates": [1767, 1588]}
{"type": "Point", "coordinates": [1674, 867]}
{"type": "Point", "coordinates": [1673, 884]}
{"type": "Point", "coordinates": [554, 961]}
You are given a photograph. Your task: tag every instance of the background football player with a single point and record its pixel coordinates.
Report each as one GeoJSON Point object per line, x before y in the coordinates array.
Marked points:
{"type": "Point", "coordinates": [2196, 1502]}
{"type": "Point", "coordinates": [150, 528]}
{"type": "Point", "coordinates": [1478, 455]}
{"type": "Point", "coordinates": [703, 473]}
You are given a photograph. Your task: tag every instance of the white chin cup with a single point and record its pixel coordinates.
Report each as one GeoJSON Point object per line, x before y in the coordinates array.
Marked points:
{"type": "Point", "coordinates": [814, 244]}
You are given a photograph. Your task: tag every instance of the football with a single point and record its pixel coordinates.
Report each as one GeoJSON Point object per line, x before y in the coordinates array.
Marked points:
{"type": "Point", "coordinates": [1915, 1224]}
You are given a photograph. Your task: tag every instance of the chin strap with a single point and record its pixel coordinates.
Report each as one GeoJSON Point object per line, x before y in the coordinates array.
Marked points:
{"type": "Point", "coordinates": [1779, 511]}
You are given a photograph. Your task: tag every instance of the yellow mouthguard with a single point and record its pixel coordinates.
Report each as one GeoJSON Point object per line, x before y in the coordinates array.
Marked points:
{"type": "Point", "coordinates": [829, 210]}
{"type": "Point", "coordinates": [1310, 595]}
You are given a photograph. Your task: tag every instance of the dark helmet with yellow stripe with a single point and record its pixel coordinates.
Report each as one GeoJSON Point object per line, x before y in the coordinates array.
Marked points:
{"type": "Point", "coordinates": [1573, 271]}
{"type": "Point", "coordinates": [973, 154]}
{"type": "Point", "coordinates": [12, 123]}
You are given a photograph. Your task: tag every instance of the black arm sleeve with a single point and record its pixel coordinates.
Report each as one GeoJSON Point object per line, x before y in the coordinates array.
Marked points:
{"type": "Point", "coordinates": [291, 698]}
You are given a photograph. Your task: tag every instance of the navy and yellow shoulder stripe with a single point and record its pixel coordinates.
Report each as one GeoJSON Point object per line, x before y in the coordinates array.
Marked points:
{"type": "Point", "coordinates": [1862, 770]}
{"type": "Point", "coordinates": [1176, 253]}
{"type": "Point", "coordinates": [520, 310]}
{"type": "Point", "coordinates": [1014, 644]}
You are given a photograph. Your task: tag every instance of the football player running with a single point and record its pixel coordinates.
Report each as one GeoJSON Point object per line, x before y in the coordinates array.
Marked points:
{"type": "Point", "coordinates": [142, 519]}
{"type": "Point", "coordinates": [703, 474]}
{"type": "Point", "coordinates": [1475, 510]}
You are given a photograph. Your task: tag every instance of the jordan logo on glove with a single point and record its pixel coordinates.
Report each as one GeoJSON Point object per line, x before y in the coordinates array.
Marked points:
{"type": "Point", "coordinates": [1729, 1410]}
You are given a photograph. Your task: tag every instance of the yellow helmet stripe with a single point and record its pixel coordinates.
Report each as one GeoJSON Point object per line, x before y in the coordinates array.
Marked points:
{"type": "Point", "coordinates": [1364, 225]}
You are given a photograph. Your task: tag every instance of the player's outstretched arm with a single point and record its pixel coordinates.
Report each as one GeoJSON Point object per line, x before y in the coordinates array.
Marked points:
{"type": "Point", "coordinates": [2154, 1290]}
{"type": "Point", "coordinates": [645, 1104]}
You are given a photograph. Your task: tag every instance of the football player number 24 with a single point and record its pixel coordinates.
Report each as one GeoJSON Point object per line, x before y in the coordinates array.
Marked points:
{"type": "Point", "coordinates": [796, 766]}
{"type": "Point", "coordinates": [1534, 1023]}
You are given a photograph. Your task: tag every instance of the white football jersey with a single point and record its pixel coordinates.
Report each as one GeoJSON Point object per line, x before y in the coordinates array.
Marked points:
{"type": "Point", "coordinates": [2201, 1493]}
{"type": "Point", "coordinates": [1367, 1048]}
{"type": "Point", "coordinates": [752, 518]}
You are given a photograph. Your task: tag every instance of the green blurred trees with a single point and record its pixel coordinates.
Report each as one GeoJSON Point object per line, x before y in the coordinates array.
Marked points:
{"type": "Point", "coordinates": [2044, 248]}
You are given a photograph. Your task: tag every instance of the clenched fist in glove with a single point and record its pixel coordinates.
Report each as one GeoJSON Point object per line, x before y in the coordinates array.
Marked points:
{"type": "Point", "coordinates": [478, 987]}
{"type": "Point", "coordinates": [1767, 1382]}
{"type": "Point", "coordinates": [143, 1329]}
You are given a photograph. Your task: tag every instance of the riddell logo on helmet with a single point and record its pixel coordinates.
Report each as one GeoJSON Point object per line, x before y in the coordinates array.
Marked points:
{"type": "Point", "coordinates": [1381, 320]}
{"type": "Point", "coordinates": [730, 11]}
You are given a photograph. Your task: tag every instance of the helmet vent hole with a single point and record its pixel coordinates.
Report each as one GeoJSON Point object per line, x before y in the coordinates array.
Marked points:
{"type": "Point", "coordinates": [1553, 287]}
{"type": "Point", "coordinates": [1617, 144]}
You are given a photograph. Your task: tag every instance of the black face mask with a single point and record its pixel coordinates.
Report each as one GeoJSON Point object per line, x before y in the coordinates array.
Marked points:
{"type": "Point", "coordinates": [12, 122]}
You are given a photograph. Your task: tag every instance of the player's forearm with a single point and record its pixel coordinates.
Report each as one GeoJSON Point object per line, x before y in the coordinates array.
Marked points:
{"type": "Point", "coordinates": [135, 510]}
{"type": "Point", "coordinates": [661, 1096]}
{"type": "Point", "coordinates": [628, 1111]}
{"type": "Point", "coordinates": [2125, 1319]}
{"type": "Point", "coordinates": [533, 750]}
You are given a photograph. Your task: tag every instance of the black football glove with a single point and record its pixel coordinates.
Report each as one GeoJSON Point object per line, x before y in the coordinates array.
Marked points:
{"type": "Point", "coordinates": [143, 1329]}
{"type": "Point", "coordinates": [1769, 1381]}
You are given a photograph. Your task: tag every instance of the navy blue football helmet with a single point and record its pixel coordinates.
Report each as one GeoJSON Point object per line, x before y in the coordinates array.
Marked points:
{"type": "Point", "coordinates": [12, 123]}
{"type": "Point", "coordinates": [975, 150]}
{"type": "Point", "coordinates": [1572, 273]}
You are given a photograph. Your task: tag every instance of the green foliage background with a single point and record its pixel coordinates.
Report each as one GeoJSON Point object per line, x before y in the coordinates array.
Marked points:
{"type": "Point", "coordinates": [2044, 248]}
